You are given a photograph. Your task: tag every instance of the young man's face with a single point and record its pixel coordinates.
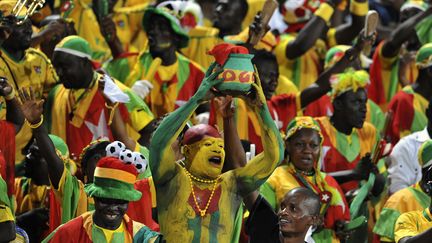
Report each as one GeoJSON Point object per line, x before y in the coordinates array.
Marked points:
{"type": "Point", "coordinates": [294, 215]}
{"type": "Point", "coordinates": [227, 14]}
{"type": "Point", "coordinates": [206, 157]}
{"type": "Point", "coordinates": [109, 212]}
{"type": "Point", "coordinates": [71, 70]}
{"type": "Point", "coordinates": [20, 38]}
{"type": "Point", "coordinates": [268, 73]}
{"type": "Point", "coordinates": [353, 106]}
{"type": "Point", "coordinates": [160, 34]}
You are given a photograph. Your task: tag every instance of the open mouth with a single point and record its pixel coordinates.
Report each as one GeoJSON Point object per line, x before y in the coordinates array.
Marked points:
{"type": "Point", "coordinates": [284, 221]}
{"type": "Point", "coordinates": [111, 216]}
{"type": "Point", "coordinates": [216, 160]}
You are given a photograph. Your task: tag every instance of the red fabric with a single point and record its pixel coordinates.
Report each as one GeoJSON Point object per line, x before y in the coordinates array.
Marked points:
{"type": "Point", "coordinates": [54, 212]}
{"type": "Point", "coordinates": [74, 232]}
{"type": "Point", "coordinates": [7, 155]}
{"type": "Point", "coordinates": [334, 161]}
{"type": "Point", "coordinates": [188, 20]}
{"type": "Point", "coordinates": [221, 52]}
{"type": "Point", "coordinates": [116, 163]}
{"type": "Point", "coordinates": [79, 137]}
{"type": "Point", "coordinates": [198, 132]}
{"type": "Point", "coordinates": [141, 210]}
{"type": "Point", "coordinates": [375, 88]}
{"type": "Point", "coordinates": [321, 107]}
{"type": "Point", "coordinates": [403, 115]}
{"type": "Point", "coordinates": [336, 212]}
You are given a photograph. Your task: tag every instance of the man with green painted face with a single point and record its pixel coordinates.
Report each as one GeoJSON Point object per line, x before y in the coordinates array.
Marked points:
{"type": "Point", "coordinates": [196, 201]}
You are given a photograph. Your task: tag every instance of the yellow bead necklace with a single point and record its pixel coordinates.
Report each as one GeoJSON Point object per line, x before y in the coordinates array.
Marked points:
{"type": "Point", "coordinates": [215, 181]}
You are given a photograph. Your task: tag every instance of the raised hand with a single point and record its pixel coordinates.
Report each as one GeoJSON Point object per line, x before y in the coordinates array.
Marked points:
{"type": "Point", "coordinates": [108, 28]}
{"type": "Point", "coordinates": [224, 106]}
{"type": "Point", "coordinates": [206, 91]}
{"type": "Point", "coordinates": [31, 106]}
{"type": "Point", "coordinates": [255, 98]}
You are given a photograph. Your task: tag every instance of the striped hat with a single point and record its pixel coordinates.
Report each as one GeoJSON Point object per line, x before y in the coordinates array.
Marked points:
{"type": "Point", "coordinates": [334, 55]}
{"type": "Point", "coordinates": [75, 45]}
{"type": "Point", "coordinates": [301, 122]}
{"type": "Point", "coordinates": [425, 154]}
{"type": "Point", "coordinates": [348, 80]}
{"type": "Point", "coordinates": [424, 56]}
{"type": "Point", "coordinates": [418, 4]}
{"type": "Point", "coordinates": [114, 179]}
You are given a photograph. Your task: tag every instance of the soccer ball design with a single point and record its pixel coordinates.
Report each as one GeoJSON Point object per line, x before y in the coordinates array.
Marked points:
{"type": "Point", "coordinates": [115, 148]}
{"type": "Point", "coordinates": [140, 162]}
{"type": "Point", "coordinates": [126, 156]}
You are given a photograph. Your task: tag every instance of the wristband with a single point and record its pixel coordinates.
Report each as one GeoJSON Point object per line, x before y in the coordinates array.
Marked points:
{"type": "Point", "coordinates": [10, 96]}
{"type": "Point", "coordinates": [359, 8]}
{"type": "Point", "coordinates": [325, 11]}
{"type": "Point", "coordinates": [34, 126]}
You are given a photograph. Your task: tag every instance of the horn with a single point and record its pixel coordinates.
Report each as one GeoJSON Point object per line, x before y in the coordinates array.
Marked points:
{"type": "Point", "coordinates": [32, 6]}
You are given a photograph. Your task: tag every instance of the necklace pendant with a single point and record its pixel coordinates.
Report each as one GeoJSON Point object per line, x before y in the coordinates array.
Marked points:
{"type": "Point", "coordinates": [202, 213]}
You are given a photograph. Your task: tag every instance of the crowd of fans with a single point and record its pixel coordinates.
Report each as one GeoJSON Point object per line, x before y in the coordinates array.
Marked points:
{"type": "Point", "coordinates": [165, 121]}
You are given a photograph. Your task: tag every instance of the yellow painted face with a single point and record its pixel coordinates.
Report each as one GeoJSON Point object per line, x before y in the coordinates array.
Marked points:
{"type": "Point", "coordinates": [205, 158]}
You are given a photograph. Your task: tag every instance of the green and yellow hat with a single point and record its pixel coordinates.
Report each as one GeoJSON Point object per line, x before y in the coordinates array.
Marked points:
{"type": "Point", "coordinates": [76, 46]}
{"type": "Point", "coordinates": [114, 179]}
{"type": "Point", "coordinates": [419, 4]}
{"type": "Point", "coordinates": [350, 79]}
{"type": "Point", "coordinates": [301, 122]}
{"type": "Point", "coordinates": [174, 22]}
{"type": "Point", "coordinates": [425, 154]}
{"type": "Point", "coordinates": [62, 151]}
{"type": "Point", "coordinates": [334, 55]}
{"type": "Point", "coordinates": [424, 56]}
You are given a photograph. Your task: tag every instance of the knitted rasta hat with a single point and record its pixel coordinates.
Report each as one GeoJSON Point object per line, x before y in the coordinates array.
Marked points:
{"type": "Point", "coordinates": [348, 80]}
{"type": "Point", "coordinates": [114, 179]}
{"type": "Point", "coordinates": [198, 132]}
{"type": "Point", "coordinates": [424, 56]}
{"type": "Point", "coordinates": [173, 20]}
{"type": "Point", "coordinates": [301, 122]}
{"type": "Point", "coordinates": [425, 154]}
{"type": "Point", "coordinates": [75, 45]}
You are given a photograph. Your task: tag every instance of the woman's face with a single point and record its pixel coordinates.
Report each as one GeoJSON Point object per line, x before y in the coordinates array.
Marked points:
{"type": "Point", "coordinates": [304, 149]}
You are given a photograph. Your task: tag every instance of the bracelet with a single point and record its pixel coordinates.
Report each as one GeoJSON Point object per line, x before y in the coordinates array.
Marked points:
{"type": "Point", "coordinates": [34, 126]}
{"type": "Point", "coordinates": [359, 8]}
{"type": "Point", "coordinates": [10, 96]}
{"type": "Point", "coordinates": [325, 11]}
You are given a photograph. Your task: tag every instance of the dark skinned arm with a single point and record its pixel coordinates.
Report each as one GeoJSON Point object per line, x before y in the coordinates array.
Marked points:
{"type": "Point", "coordinates": [405, 30]}
{"type": "Point", "coordinates": [235, 156]}
{"type": "Point", "coordinates": [109, 31]}
{"type": "Point", "coordinates": [346, 33]}
{"type": "Point", "coordinates": [32, 109]}
{"type": "Point", "coordinates": [7, 231]}
{"type": "Point", "coordinates": [13, 114]}
{"type": "Point", "coordinates": [322, 85]}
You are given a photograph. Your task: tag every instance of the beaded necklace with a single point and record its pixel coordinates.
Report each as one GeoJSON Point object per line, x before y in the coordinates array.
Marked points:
{"type": "Point", "coordinates": [215, 182]}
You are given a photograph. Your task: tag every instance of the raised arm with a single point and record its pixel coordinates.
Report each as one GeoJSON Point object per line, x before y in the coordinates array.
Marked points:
{"type": "Point", "coordinates": [13, 114]}
{"type": "Point", "coordinates": [322, 85]}
{"type": "Point", "coordinates": [257, 170]}
{"type": "Point", "coordinates": [313, 30]}
{"type": "Point", "coordinates": [346, 33]}
{"type": "Point", "coordinates": [162, 156]}
{"type": "Point", "coordinates": [403, 33]}
{"type": "Point", "coordinates": [32, 109]}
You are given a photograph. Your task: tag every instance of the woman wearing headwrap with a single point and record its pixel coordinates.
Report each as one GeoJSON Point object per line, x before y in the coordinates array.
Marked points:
{"type": "Point", "coordinates": [303, 145]}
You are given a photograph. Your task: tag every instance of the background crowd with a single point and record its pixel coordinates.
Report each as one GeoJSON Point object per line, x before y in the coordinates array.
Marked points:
{"type": "Point", "coordinates": [198, 121]}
